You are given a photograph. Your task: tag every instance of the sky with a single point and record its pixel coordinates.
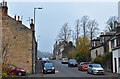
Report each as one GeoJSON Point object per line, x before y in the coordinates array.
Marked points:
{"type": "Point", "coordinates": [54, 14]}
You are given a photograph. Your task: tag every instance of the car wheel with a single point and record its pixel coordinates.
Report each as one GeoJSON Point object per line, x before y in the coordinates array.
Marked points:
{"type": "Point", "coordinates": [19, 73]}
{"type": "Point", "coordinates": [92, 73]}
{"type": "Point", "coordinates": [54, 72]}
{"type": "Point", "coordinates": [87, 72]}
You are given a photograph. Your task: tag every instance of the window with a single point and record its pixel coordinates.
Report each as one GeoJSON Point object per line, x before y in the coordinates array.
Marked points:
{"type": "Point", "coordinates": [118, 41]}
{"type": "Point", "coordinates": [101, 40]}
{"type": "Point", "coordinates": [112, 44]}
{"type": "Point", "coordinates": [96, 53]}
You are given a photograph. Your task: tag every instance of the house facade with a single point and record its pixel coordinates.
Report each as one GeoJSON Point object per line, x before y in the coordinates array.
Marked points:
{"type": "Point", "coordinates": [100, 46]}
{"type": "Point", "coordinates": [114, 47]}
{"type": "Point", "coordinates": [62, 49]}
{"type": "Point", "coordinates": [19, 45]}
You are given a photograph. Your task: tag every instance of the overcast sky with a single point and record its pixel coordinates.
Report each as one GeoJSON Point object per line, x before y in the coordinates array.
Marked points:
{"type": "Point", "coordinates": [54, 14]}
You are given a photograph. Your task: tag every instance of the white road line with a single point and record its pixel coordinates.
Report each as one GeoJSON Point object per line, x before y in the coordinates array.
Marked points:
{"type": "Point", "coordinates": [56, 71]}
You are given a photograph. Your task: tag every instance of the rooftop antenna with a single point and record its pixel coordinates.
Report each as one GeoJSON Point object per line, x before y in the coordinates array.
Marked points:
{"type": "Point", "coordinates": [28, 20]}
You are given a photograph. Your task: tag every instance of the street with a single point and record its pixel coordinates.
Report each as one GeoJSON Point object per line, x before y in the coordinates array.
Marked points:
{"type": "Point", "coordinates": [62, 70]}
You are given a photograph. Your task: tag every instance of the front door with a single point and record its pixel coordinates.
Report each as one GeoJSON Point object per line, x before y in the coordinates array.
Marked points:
{"type": "Point", "coordinates": [115, 65]}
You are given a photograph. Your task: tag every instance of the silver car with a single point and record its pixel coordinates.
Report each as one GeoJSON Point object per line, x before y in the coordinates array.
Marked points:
{"type": "Point", "coordinates": [64, 61]}
{"type": "Point", "coordinates": [95, 69]}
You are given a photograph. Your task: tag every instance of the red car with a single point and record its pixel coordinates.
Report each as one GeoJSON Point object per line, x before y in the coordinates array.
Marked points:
{"type": "Point", "coordinates": [14, 70]}
{"type": "Point", "coordinates": [83, 66]}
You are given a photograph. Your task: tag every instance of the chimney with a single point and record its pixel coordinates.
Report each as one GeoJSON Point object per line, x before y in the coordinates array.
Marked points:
{"type": "Point", "coordinates": [4, 8]}
{"type": "Point", "coordinates": [15, 17]}
{"type": "Point", "coordinates": [32, 25]}
{"type": "Point", "coordinates": [102, 33]}
{"type": "Point", "coordinates": [18, 18]}
{"type": "Point", "coordinates": [3, 4]}
{"type": "Point", "coordinates": [118, 28]}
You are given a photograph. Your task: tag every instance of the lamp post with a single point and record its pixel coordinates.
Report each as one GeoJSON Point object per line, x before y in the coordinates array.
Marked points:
{"type": "Point", "coordinates": [34, 61]}
{"type": "Point", "coordinates": [34, 14]}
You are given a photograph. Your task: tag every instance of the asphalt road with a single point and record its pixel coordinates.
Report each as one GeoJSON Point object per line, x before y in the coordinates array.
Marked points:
{"type": "Point", "coordinates": [62, 70]}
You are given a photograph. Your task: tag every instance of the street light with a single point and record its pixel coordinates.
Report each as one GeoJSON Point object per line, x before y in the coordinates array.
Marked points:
{"type": "Point", "coordinates": [34, 14]}
{"type": "Point", "coordinates": [34, 66]}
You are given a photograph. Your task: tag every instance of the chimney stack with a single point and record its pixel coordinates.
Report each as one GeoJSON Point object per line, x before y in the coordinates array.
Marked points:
{"type": "Point", "coordinates": [3, 4]}
{"type": "Point", "coordinates": [6, 4]}
{"type": "Point", "coordinates": [15, 17]}
{"type": "Point", "coordinates": [32, 25]}
{"type": "Point", "coordinates": [4, 8]}
{"type": "Point", "coordinates": [118, 28]}
{"type": "Point", "coordinates": [18, 18]}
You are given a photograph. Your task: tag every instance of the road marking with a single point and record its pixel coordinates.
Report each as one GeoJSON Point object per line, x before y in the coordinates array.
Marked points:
{"type": "Point", "coordinates": [56, 71]}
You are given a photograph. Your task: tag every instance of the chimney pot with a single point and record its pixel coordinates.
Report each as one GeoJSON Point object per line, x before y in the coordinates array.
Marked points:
{"type": "Point", "coordinates": [18, 18]}
{"type": "Point", "coordinates": [31, 21]}
{"type": "Point", "coordinates": [3, 3]}
{"type": "Point", "coordinates": [102, 33]}
{"type": "Point", "coordinates": [6, 4]}
{"type": "Point", "coordinates": [15, 17]}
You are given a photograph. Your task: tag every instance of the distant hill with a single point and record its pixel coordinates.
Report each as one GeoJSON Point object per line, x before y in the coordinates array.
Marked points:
{"type": "Point", "coordinates": [43, 54]}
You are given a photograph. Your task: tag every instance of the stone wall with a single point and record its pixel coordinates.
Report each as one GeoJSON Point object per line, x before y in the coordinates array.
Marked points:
{"type": "Point", "coordinates": [19, 40]}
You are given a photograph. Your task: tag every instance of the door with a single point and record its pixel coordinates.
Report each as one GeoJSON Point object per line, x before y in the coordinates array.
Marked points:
{"type": "Point", "coordinates": [115, 65]}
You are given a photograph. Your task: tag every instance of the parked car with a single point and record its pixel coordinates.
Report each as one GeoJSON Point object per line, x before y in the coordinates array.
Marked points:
{"type": "Point", "coordinates": [72, 62]}
{"type": "Point", "coordinates": [64, 60]}
{"type": "Point", "coordinates": [83, 66]}
{"type": "Point", "coordinates": [95, 69]}
{"type": "Point", "coordinates": [14, 70]}
{"type": "Point", "coordinates": [45, 61]}
{"type": "Point", "coordinates": [48, 68]}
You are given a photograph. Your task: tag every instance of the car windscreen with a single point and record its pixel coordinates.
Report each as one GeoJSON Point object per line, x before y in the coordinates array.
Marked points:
{"type": "Point", "coordinates": [72, 60]}
{"type": "Point", "coordinates": [48, 65]}
{"type": "Point", "coordinates": [96, 65]}
{"type": "Point", "coordinates": [65, 59]}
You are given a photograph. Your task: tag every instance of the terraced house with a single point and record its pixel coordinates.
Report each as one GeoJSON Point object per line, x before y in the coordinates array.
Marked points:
{"type": "Point", "coordinates": [18, 45]}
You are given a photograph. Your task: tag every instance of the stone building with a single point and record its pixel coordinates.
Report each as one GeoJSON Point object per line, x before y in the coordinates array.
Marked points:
{"type": "Point", "coordinates": [100, 46]}
{"type": "Point", "coordinates": [62, 49]}
{"type": "Point", "coordinates": [19, 46]}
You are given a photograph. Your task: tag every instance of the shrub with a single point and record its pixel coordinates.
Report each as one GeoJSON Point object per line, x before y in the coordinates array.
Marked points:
{"type": "Point", "coordinates": [99, 60]}
{"type": "Point", "coordinates": [4, 75]}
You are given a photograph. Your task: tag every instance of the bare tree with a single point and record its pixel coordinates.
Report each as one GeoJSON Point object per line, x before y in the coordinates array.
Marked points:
{"type": "Point", "coordinates": [111, 23]}
{"type": "Point", "coordinates": [77, 29]}
{"type": "Point", "coordinates": [92, 28]}
{"type": "Point", "coordinates": [84, 24]}
{"type": "Point", "coordinates": [64, 34]}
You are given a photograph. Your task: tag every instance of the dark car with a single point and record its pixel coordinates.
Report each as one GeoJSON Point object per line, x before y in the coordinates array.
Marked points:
{"type": "Point", "coordinates": [72, 62]}
{"type": "Point", "coordinates": [14, 70]}
{"type": "Point", "coordinates": [45, 61]}
{"type": "Point", "coordinates": [48, 68]}
{"type": "Point", "coordinates": [83, 66]}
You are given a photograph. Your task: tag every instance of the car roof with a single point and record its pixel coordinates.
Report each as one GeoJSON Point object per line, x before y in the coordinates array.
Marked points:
{"type": "Point", "coordinates": [94, 64]}
{"type": "Point", "coordinates": [48, 64]}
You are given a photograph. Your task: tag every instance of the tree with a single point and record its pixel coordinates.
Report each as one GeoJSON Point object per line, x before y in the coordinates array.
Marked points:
{"type": "Point", "coordinates": [92, 28]}
{"type": "Point", "coordinates": [64, 34]}
{"type": "Point", "coordinates": [77, 29]}
{"type": "Point", "coordinates": [111, 23]}
{"type": "Point", "coordinates": [84, 23]}
{"type": "Point", "coordinates": [83, 46]}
